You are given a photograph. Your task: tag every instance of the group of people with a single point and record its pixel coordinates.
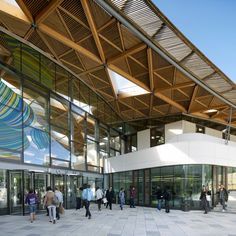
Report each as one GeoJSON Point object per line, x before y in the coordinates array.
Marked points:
{"type": "Point", "coordinates": [53, 202]}
{"type": "Point", "coordinates": [205, 197]}
{"type": "Point", "coordinates": [163, 195]}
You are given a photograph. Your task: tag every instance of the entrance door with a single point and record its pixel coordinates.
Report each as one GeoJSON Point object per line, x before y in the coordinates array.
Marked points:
{"type": "Point", "coordinates": [16, 193]}
{"type": "Point", "coordinates": [40, 183]}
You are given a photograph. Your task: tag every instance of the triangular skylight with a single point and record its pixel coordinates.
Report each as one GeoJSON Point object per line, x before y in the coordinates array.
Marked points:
{"type": "Point", "coordinates": [124, 86]}
{"type": "Point", "coordinates": [12, 8]}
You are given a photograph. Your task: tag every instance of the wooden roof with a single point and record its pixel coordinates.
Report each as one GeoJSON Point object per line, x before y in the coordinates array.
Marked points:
{"type": "Point", "coordinates": [88, 40]}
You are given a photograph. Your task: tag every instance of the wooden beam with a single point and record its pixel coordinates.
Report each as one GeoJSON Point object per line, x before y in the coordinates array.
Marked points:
{"type": "Point", "coordinates": [130, 51]}
{"type": "Point", "coordinates": [57, 36]}
{"type": "Point", "coordinates": [25, 9]}
{"type": "Point", "coordinates": [170, 101]}
{"type": "Point", "coordinates": [150, 68]}
{"type": "Point", "coordinates": [72, 65]}
{"type": "Point", "coordinates": [106, 24]}
{"type": "Point", "coordinates": [112, 88]}
{"type": "Point", "coordinates": [193, 98]}
{"type": "Point", "coordinates": [48, 45]}
{"type": "Point", "coordinates": [129, 77]}
{"type": "Point", "coordinates": [87, 11]}
{"type": "Point", "coordinates": [91, 70]}
{"type": "Point", "coordinates": [177, 86]}
{"type": "Point", "coordinates": [43, 14]}
{"type": "Point", "coordinates": [73, 17]}
{"type": "Point", "coordinates": [151, 104]}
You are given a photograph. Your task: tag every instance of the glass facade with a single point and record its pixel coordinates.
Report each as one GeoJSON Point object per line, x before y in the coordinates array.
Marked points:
{"type": "Point", "coordinates": [48, 117]}
{"type": "Point", "coordinates": [184, 182]}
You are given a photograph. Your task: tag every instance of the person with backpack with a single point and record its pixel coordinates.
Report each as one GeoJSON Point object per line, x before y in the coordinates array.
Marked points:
{"type": "Point", "coordinates": [32, 200]}
{"type": "Point", "coordinates": [51, 201]}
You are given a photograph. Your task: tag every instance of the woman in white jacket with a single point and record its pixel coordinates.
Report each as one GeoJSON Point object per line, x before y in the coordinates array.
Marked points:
{"type": "Point", "coordinates": [99, 196]}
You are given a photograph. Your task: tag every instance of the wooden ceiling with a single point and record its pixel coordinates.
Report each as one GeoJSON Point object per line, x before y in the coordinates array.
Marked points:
{"type": "Point", "coordinates": [88, 40]}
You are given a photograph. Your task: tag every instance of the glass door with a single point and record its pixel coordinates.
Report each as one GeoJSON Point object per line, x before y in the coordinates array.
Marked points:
{"type": "Point", "coordinates": [16, 193]}
{"type": "Point", "coordinates": [40, 183]}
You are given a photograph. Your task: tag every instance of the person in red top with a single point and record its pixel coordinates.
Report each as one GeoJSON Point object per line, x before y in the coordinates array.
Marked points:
{"type": "Point", "coordinates": [132, 197]}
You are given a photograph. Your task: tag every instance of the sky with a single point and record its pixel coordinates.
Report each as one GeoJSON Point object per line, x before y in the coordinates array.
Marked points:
{"type": "Point", "coordinates": [210, 25]}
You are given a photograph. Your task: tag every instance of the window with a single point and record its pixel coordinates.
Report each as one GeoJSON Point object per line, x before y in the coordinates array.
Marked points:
{"type": "Point", "coordinates": [200, 129]}
{"type": "Point", "coordinates": [157, 136]}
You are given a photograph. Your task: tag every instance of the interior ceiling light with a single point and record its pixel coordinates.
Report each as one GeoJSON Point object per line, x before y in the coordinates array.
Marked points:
{"type": "Point", "coordinates": [122, 85]}
{"type": "Point", "coordinates": [210, 111]}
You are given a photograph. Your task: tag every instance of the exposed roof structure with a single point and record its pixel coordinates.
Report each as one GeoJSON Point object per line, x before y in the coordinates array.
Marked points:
{"type": "Point", "coordinates": [88, 38]}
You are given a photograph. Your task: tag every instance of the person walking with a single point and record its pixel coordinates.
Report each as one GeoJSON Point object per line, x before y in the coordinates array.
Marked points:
{"type": "Point", "coordinates": [59, 196]}
{"type": "Point", "coordinates": [167, 198]}
{"type": "Point", "coordinates": [87, 196]}
{"type": "Point", "coordinates": [223, 195]}
{"type": "Point", "coordinates": [109, 197]}
{"type": "Point", "coordinates": [50, 201]}
{"type": "Point", "coordinates": [79, 198]}
{"type": "Point", "coordinates": [99, 196]}
{"type": "Point", "coordinates": [122, 198]}
{"type": "Point", "coordinates": [203, 199]}
{"type": "Point", "coordinates": [159, 196]}
{"type": "Point", "coordinates": [132, 197]}
{"type": "Point", "coordinates": [32, 201]}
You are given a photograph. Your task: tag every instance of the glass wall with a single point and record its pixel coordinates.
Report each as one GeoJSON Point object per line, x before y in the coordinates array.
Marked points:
{"type": "Point", "coordinates": [50, 118]}
{"type": "Point", "coordinates": [3, 192]}
{"type": "Point", "coordinates": [183, 181]}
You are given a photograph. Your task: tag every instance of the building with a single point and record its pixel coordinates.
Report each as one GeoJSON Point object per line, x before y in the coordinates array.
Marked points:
{"type": "Point", "coordinates": [108, 93]}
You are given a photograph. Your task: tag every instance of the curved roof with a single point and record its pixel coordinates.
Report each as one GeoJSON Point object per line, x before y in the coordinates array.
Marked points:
{"type": "Point", "coordinates": [130, 38]}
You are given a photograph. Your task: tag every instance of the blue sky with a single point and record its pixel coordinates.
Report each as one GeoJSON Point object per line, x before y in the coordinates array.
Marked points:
{"type": "Point", "coordinates": [210, 25]}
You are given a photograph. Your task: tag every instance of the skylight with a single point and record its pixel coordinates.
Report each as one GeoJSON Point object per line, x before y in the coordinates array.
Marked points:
{"type": "Point", "coordinates": [122, 85]}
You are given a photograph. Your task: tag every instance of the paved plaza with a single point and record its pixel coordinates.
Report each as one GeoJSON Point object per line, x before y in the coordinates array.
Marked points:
{"type": "Point", "coordinates": [140, 221]}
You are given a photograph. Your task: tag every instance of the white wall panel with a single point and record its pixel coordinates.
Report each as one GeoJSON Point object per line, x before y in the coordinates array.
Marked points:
{"type": "Point", "coordinates": [184, 149]}
{"type": "Point", "coordinates": [143, 139]}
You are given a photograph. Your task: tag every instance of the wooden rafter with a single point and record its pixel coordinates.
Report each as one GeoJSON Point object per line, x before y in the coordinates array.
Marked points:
{"type": "Point", "coordinates": [130, 51]}
{"type": "Point", "coordinates": [193, 98]}
{"type": "Point", "coordinates": [112, 88]}
{"type": "Point", "coordinates": [73, 17]}
{"type": "Point", "coordinates": [48, 45]}
{"type": "Point", "coordinates": [129, 77]}
{"type": "Point", "coordinates": [43, 14]}
{"type": "Point", "coordinates": [177, 86]}
{"type": "Point", "coordinates": [170, 101]}
{"type": "Point", "coordinates": [91, 70]}
{"type": "Point", "coordinates": [132, 108]}
{"type": "Point", "coordinates": [57, 36]}
{"type": "Point", "coordinates": [110, 42]}
{"type": "Point", "coordinates": [25, 10]}
{"type": "Point", "coordinates": [162, 78]}
{"type": "Point", "coordinates": [87, 11]}
{"type": "Point", "coordinates": [64, 24]}
{"type": "Point", "coordinates": [150, 68]}
{"type": "Point", "coordinates": [151, 104]}
{"type": "Point", "coordinates": [29, 32]}
{"type": "Point", "coordinates": [106, 24]}
{"type": "Point", "coordinates": [72, 65]}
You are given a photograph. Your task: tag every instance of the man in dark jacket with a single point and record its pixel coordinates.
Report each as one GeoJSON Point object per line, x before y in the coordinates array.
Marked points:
{"type": "Point", "coordinates": [109, 197]}
{"type": "Point", "coordinates": [223, 195]}
{"type": "Point", "coordinates": [159, 197]}
{"type": "Point", "coordinates": [167, 197]}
